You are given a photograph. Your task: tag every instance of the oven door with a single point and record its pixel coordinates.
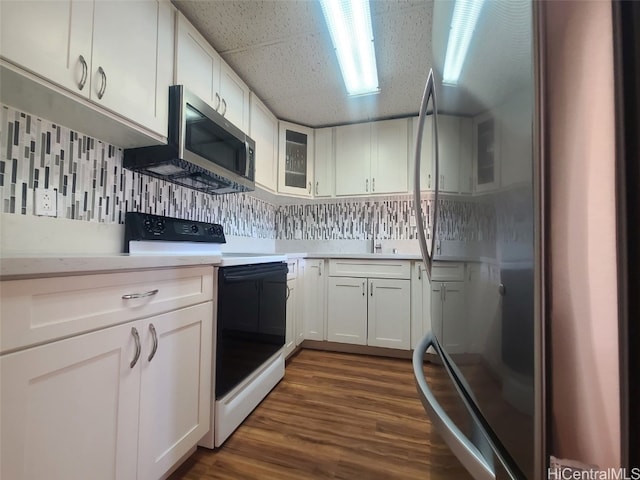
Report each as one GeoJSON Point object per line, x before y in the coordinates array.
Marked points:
{"type": "Point", "coordinates": [251, 320]}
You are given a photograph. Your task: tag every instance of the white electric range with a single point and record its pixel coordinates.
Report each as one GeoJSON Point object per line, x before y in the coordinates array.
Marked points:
{"type": "Point", "coordinates": [249, 320]}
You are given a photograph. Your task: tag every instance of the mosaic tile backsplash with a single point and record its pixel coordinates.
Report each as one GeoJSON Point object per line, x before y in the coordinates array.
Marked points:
{"type": "Point", "coordinates": [93, 186]}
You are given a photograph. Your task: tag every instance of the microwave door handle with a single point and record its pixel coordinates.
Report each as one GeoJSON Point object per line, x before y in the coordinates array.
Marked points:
{"type": "Point", "coordinates": [468, 454]}
{"type": "Point", "coordinates": [427, 255]}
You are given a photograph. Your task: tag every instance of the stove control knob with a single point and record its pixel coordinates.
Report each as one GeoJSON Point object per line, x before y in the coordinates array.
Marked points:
{"type": "Point", "coordinates": [194, 228]}
{"type": "Point", "coordinates": [211, 231]}
{"type": "Point", "coordinates": [160, 226]}
{"type": "Point", "coordinates": [217, 230]}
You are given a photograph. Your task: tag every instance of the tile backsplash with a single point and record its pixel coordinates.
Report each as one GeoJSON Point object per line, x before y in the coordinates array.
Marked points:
{"type": "Point", "coordinates": [92, 186]}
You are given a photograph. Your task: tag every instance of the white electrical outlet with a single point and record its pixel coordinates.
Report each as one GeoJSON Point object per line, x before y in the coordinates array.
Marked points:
{"type": "Point", "coordinates": [46, 202]}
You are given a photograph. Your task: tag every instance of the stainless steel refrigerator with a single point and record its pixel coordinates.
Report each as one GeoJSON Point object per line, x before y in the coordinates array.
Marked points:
{"type": "Point", "coordinates": [476, 175]}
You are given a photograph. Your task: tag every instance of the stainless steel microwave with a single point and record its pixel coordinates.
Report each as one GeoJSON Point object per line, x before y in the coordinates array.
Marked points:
{"type": "Point", "coordinates": [205, 151]}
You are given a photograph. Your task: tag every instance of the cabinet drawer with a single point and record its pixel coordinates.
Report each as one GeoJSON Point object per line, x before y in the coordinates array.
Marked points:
{"type": "Point", "coordinates": [41, 310]}
{"type": "Point", "coordinates": [447, 272]}
{"type": "Point", "coordinates": [369, 269]}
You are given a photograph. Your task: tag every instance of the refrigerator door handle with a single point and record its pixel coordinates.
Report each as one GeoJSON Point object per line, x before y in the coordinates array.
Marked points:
{"type": "Point", "coordinates": [468, 454]}
{"type": "Point", "coordinates": [429, 92]}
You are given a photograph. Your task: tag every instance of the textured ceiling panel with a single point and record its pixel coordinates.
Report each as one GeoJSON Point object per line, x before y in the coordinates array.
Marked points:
{"type": "Point", "coordinates": [282, 50]}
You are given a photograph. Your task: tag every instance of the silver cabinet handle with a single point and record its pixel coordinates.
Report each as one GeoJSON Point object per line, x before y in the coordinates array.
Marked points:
{"type": "Point", "coordinates": [288, 292]}
{"type": "Point", "coordinates": [317, 188]}
{"type": "Point", "coordinates": [371, 285]}
{"type": "Point", "coordinates": [366, 185]}
{"type": "Point", "coordinates": [224, 104]}
{"type": "Point", "coordinates": [217, 102]}
{"type": "Point", "coordinates": [429, 181]}
{"type": "Point", "coordinates": [150, 293]}
{"type": "Point", "coordinates": [419, 272]}
{"type": "Point", "coordinates": [373, 184]}
{"type": "Point", "coordinates": [469, 455]}
{"type": "Point", "coordinates": [85, 71]}
{"type": "Point", "coordinates": [103, 86]}
{"type": "Point", "coordinates": [136, 338]}
{"type": "Point", "coordinates": [154, 335]}
{"type": "Point", "coordinates": [319, 269]}
{"type": "Point", "coordinates": [429, 92]}
{"type": "Point", "coordinates": [363, 289]}
{"type": "Point", "coordinates": [309, 188]}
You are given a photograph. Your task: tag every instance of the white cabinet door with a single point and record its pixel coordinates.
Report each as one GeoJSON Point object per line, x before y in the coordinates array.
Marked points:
{"type": "Point", "coordinates": [49, 38]}
{"type": "Point", "coordinates": [347, 310]}
{"type": "Point", "coordinates": [353, 159]}
{"type": "Point", "coordinates": [448, 313]}
{"type": "Point", "coordinates": [486, 158]}
{"type": "Point", "coordinates": [420, 304]}
{"type": "Point", "coordinates": [449, 152]}
{"type": "Point", "coordinates": [315, 299]}
{"type": "Point", "coordinates": [426, 156]}
{"type": "Point", "coordinates": [389, 145]}
{"type": "Point", "coordinates": [389, 318]}
{"type": "Point", "coordinates": [291, 312]}
{"type": "Point", "coordinates": [295, 153]}
{"type": "Point", "coordinates": [466, 155]}
{"type": "Point", "coordinates": [324, 162]}
{"type": "Point", "coordinates": [234, 95]}
{"type": "Point", "coordinates": [124, 73]}
{"type": "Point", "coordinates": [175, 391]}
{"type": "Point", "coordinates": [515, 149]}
{"type": "Point", "coordinates": [71, 408]}
{"type": "Point", "coordinates": [263, 129]}
{"type": "Point", "coordinates": [197, 63]}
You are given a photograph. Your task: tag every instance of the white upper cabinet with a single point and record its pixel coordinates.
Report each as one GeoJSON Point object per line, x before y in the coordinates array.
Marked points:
{"type": "Point", "coordinates": [389, 148]}
{"type": "Point", "coordinates": [353, 159]}
{"type": "Point", "coordinates": [197, 63]}
{"type": "Point", "coordinates": [295, 154]}
{"type": "Point", "coordinates": [486, 159]}
{"type": "Point", "coordinates": [263, 129]}
{"type": "Point", "coordinates": [201, 70]}
{"type": "Point", "coordinates": [234, 97]}
{"type": "Point", "coordinates": [426, 155]}
{"type": "Point", "coordinates": [59, 49]}
{"type": "Point", "coordinates": [124, 73]}
{"type": "Point", "coordinates": [324, 162]}
{"type": "Point", "coordinates": [515, 140]}
{"type": "Point", "coordinates": [79, 45]}
{"type": "Point", "coordinates": [372, 158]}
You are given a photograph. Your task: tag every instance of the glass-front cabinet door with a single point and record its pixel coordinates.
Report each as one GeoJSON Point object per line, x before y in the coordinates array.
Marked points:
{"type": "Point", "coordinates": [296, 147]}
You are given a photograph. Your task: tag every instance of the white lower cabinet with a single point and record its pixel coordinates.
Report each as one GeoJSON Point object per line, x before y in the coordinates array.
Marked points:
{"type": "Point", "coordinates": [369, 311]}
{"type": "Point", "coordinates": [448, 315]}
{"type": "Point", "coordinates": [389, 313]}
{"type": "Point", "coordinates": [292, 315]}
{"type": "Point", "coordinates": [175, 386]}
{"type": "Point", "coordinates": [125, 401]}
{"type": "Point", "coordinates": [347, 313]}
{"type": "Point", "coordinates": [314, 299]}
{"type": "Point", "coordinates": [70, 409]}
{"type": "Point", "coordinates": [420, 304]}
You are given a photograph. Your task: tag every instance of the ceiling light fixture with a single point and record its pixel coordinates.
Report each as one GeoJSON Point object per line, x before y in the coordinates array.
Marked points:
{"type": "Point", "coordinates": [463, 23]}
{"type": "Point", "coordinates": [349, 23]}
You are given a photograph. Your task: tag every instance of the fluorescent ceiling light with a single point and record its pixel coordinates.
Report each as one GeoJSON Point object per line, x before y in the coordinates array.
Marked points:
{"type": "Point", "coordinates": [349, 23]}
{"type": "Point", "coordinates": [463, 23]}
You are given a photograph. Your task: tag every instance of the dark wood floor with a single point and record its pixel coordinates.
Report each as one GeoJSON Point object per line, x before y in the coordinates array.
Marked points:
{"type": "Point", "coordinates": [335, 415]}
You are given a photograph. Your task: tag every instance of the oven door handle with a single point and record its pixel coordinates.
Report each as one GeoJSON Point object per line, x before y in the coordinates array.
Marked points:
{"type": "Point", "coordinates": [468, 454]}
{"type": "Point", "coordinates": [251, 274]}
